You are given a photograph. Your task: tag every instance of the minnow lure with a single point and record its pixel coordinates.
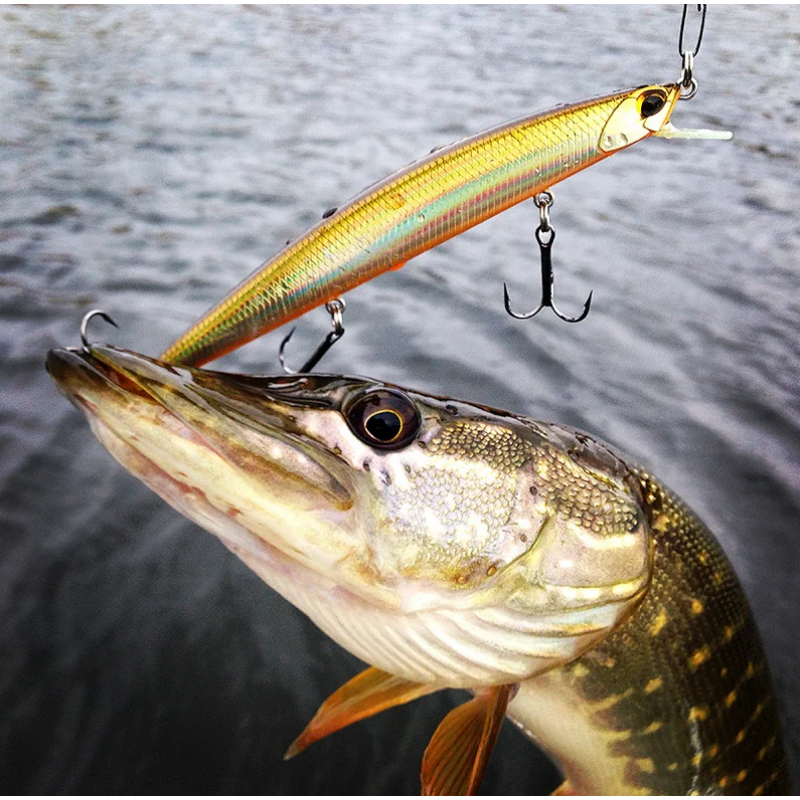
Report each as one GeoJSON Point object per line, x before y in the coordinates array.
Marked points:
{"type": "Point", "coordinates": [450, 545]}
{"type": "Point", "coordinates": [423, 205]}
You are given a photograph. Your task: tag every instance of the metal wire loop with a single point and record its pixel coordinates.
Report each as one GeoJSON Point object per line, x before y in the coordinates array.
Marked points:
{"type": "Point", "coordinates": [702, 8]}
{"type": "Point", "coordinates": [336, 309]}
{"type": "Point", "coordinates": [691, 91]}
{"type": "Point", "coordinates": [544, 200]}
{"type": "Point", "coordinates": [687, 80]}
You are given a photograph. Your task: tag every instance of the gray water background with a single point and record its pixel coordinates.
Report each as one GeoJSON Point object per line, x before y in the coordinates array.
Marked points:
{"type": "Point", "coordinates": [151, 157]}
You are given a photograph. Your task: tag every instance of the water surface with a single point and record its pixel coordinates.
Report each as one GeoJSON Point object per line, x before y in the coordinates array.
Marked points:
{"type": "Point", "coordinates": [151, 157]}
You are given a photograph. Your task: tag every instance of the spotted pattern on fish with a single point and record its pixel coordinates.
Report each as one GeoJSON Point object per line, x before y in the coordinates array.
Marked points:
{"type": "Point", "coordinates": [682, 689]}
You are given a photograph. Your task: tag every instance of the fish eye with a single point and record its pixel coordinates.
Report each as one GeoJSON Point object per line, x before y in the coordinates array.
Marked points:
{"type": "Point", "coordinates": [651, 104]}
{"type": "Point", "coordinates": [383, 418]}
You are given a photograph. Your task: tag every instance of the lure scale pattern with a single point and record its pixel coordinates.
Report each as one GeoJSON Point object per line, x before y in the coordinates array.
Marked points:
{"type": "Point", "coordinates": [423, 205]}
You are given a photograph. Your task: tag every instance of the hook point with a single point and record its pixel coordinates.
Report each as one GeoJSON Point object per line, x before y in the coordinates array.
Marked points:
{"type": "Point", "coordinates": [512, 313]}
{"type": "Point", "coordinates": [95, 312]}
{"type": "Point", "coordinates": [582, 316]}
{"type": "Point", "coordinates": [281, 355]}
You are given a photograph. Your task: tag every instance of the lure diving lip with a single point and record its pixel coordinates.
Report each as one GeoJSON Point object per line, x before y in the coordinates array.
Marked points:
{"type": "Point", "coordinates": [669, 131]}
{"type": "Point", "coordinates": [431, 200]}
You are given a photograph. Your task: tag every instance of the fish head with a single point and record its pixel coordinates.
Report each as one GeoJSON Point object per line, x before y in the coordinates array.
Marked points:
{"type": "Point", "coordinates": [443, 542]}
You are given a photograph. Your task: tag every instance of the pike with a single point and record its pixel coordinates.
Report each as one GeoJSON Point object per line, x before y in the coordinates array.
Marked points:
{"type": "Point", "coordinates": [452, 545]}
{"type": "Point", "coordinates": [431, 200]}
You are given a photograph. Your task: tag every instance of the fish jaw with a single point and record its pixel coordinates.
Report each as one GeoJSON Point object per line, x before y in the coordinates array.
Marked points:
{"type": "Point", "coordinates": [194, 447]}
{"type": "Point", "coordinates": [479, 553]}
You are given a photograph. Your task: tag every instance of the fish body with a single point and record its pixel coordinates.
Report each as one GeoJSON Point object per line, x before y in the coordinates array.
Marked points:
{"type": "Point", "coordinates": [453, 545]}
{"type": "Point", "coordinates": [423, 205]}
{"type": "Point", "coordinates": [678, 699]}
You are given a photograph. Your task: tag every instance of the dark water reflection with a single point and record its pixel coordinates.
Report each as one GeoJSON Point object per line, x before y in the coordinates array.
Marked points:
{"type": "Point", "coordinates": [150, 157]}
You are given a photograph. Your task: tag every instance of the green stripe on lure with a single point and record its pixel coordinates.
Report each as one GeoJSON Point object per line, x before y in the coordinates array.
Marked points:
{"type": "Point", "coordinates": [450, 545]}
{"type": "Point", "coordinates": [444, 194]}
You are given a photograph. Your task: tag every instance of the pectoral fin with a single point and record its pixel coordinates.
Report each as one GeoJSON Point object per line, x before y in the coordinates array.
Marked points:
{"type": "Point", "coordinates": [370, 692]}
{"type": "Point", "coordinates": [455, 761]}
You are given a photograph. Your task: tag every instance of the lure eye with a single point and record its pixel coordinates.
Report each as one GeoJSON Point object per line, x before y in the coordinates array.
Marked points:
{"type": "Point", "coordinates": [383, 418]}
{"type": "Point", "coordinates": [652, 104]}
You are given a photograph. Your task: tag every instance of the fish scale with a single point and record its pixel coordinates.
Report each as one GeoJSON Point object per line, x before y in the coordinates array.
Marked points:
{"type": "Point", "coordinates": [679, 697]}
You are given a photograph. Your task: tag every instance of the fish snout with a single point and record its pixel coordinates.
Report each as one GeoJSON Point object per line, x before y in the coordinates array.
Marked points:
{"type": "Point", "coordinates": [81, 377]}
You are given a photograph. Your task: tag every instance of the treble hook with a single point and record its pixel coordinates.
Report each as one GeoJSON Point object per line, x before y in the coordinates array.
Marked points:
{"type": "Point", "coordinates": [95, 312]}
{"type": "Point", "coordinates": [544, 201]}
{"type": "Point", "coordinates": [687, 79]}
{"type": "Point", "coordinates": [336, 309]}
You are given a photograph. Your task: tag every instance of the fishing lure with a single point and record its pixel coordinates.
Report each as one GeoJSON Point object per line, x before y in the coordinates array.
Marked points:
{"type": "Point", "coordinates": [433, 199]}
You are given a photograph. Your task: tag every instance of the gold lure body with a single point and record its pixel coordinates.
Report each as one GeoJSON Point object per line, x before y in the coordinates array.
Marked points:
{"type": "Point", "coordinates": [431, 200]}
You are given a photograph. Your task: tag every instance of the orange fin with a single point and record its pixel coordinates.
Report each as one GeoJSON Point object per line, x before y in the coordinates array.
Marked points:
{"type": "Point", "coordinates": [398, 266]}
{"type": "Point", "coordinates": [370, 692]}
{"type": "Point", "coordinates": [455, 761]}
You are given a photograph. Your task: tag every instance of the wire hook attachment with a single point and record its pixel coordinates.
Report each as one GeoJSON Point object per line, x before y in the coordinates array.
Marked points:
{"type": "Point", "coordinates": [336, 309]}
{"type": "Point", "coordinates": [544, 200]}
{"type": "Point", "coordinates": [687, 79]}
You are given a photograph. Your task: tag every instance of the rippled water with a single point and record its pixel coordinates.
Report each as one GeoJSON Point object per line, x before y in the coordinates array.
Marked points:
{"type": "Point", "coordinates": [150, 157]}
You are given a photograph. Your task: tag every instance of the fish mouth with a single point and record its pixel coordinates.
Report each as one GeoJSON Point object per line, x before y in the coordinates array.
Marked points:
{"type": "Point", "coordinates": [227, 451]}
{"type": "Point", "coordinates": [103, 379]}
